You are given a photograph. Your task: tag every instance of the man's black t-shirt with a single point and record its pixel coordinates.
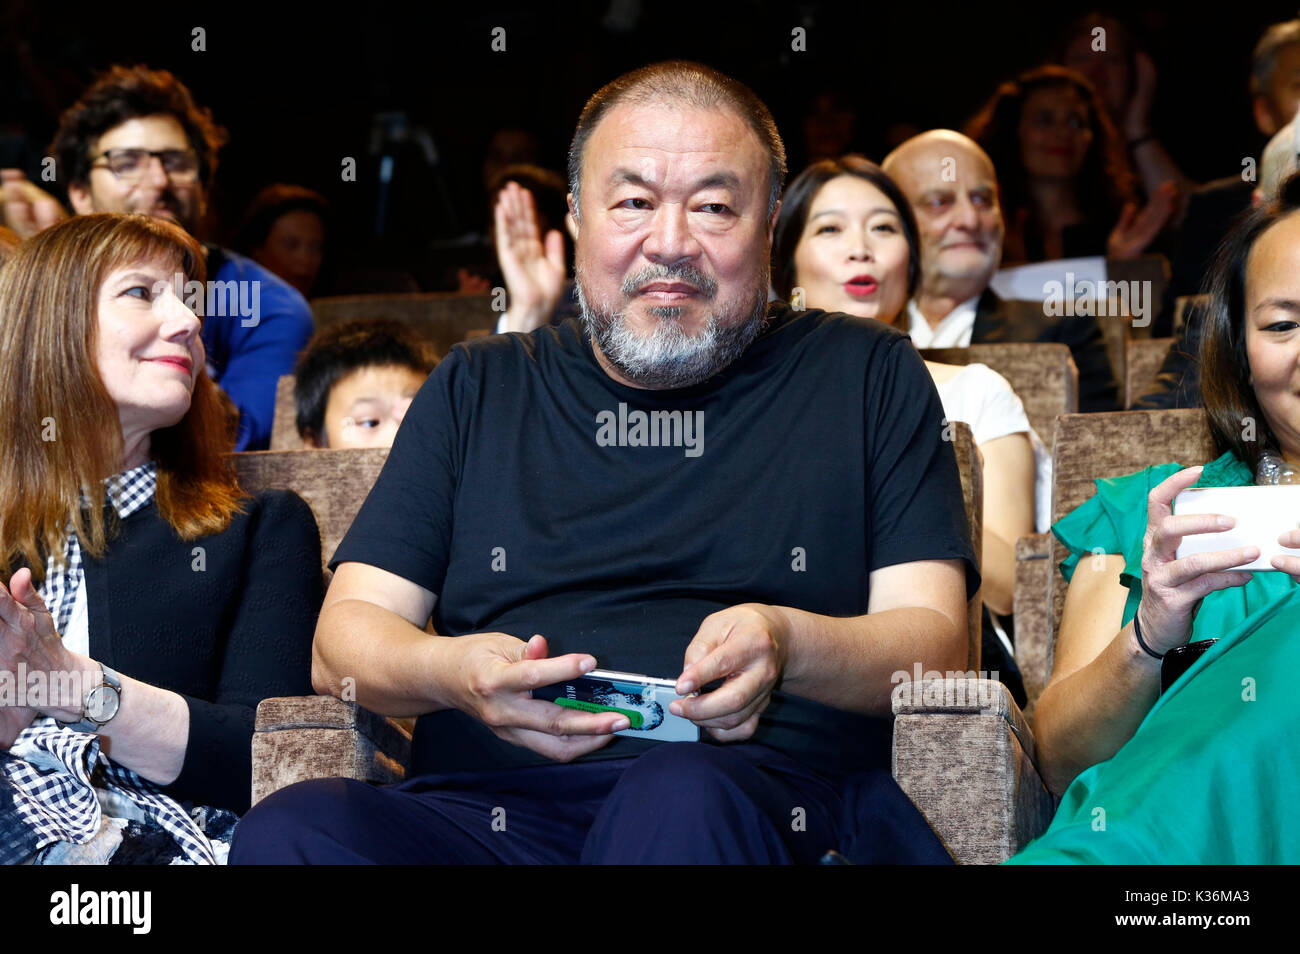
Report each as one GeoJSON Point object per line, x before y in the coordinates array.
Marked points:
{"type": "Point", "coordinates": [534, 494]}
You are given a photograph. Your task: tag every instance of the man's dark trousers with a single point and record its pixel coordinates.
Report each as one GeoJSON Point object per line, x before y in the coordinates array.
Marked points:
{"type": "Point", "coordinates": [679, 803]}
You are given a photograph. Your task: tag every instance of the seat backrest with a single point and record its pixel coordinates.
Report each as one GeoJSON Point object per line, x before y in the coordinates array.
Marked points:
{"type": "Point", "coordinates": [1143, 358]}
{"type": "Point", "coordinates": [333, 482]}
{"type": "Point", "coordinates": [1144, 279]}
{"type": "Point", "coordinates": [1151, 272]}
{"type": "Point", "coordinates": [972, 493]}
{"type": "Point", "coordinates": [1088, 447]}
{"type": "Point", "coordinates": [284, 426]}
{"type": "Point", "coordinates": [444, 318]}
{"type": "Point", "coordinates": [1043, 375]}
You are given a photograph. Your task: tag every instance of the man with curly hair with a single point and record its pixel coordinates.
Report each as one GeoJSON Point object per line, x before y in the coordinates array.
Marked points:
{"type": "Point", "coordinates": [136, 141]}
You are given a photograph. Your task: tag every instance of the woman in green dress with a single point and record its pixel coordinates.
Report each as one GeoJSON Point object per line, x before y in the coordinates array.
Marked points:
{"type": "Point", "coordinates": [1207, 772]}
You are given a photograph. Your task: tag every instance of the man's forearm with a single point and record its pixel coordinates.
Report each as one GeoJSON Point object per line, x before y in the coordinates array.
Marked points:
{"type": "Point", "coordinates": [849, 662]}
{"type": "Point", "coordinates": [380, 660]}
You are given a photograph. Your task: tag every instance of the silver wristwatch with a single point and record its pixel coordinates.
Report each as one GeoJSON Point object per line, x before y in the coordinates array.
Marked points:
{"type": "Point", "coordinates": [100, 704]}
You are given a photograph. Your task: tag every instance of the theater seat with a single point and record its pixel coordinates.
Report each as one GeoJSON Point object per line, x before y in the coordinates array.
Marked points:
{"type": "Point", "coordinates": [333, 482]}
{"type": "Point", "coordinates": [965, 759]}
{"type": "Point", "coordinates": [320, 736]}
{"type": "Point", "coordinates": [1143, 358]}
{"type": "Point", "coordinates": [1087, 447]}
{"type": "Point", "coordinates": [963, 751]}
{"type": "Point", "coordinates": [284, 425]}
{"type": "Point", "coordinates": [985, 797]}
{"type": "Point", "coordinates": [443, 318]}
{"type": "Point", "coordinates": [1043, 376]}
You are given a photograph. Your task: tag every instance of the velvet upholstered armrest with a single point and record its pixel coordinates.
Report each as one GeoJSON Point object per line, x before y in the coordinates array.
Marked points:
{"type": "Point", "coordinates": [305, 737]}
{"type": "Point", "coordinates": [964, 754]}
{"type": "Point", "coordinates": [1033, 613]}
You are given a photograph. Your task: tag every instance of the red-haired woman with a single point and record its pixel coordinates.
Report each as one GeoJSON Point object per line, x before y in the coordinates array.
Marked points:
{"type": "Point", "coordinates": [150, 605]}
{"type": "Point", "coordinates": [1063, 184]}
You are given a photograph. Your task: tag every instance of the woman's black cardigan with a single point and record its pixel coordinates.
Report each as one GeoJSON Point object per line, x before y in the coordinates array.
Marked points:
{"type": "Point", "coordinates": [224, 620]}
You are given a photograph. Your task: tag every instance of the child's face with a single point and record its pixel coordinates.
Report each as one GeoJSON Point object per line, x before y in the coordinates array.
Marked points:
{"type": "Point", "coordinates": [366, 406]}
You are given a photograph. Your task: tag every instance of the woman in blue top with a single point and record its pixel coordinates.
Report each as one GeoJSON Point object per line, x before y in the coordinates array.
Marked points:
{"type": "Point", "coordinates": [1206, 772]}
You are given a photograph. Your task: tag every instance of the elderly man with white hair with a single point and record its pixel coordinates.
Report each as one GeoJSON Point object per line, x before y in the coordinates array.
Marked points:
{"type": "Point", "coordinates": [953, 189]}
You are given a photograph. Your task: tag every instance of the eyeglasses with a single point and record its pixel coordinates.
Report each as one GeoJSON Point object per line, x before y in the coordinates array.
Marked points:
{"type": "Point", "coordinates": [129, 165]}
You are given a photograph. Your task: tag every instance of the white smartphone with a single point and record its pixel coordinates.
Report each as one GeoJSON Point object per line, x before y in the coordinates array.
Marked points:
{"type": "Point", "coordinates": [1262, 513]}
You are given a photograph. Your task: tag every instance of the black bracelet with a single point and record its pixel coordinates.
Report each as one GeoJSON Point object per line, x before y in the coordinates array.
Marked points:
{"type": "Point", "coordinates": [1137, 631]}
{"type": "Point", "coordinates": [1132, 144]}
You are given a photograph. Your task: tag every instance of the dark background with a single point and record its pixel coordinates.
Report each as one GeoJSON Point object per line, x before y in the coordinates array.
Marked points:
{"type": "Point", "coordinates": [298, 89]}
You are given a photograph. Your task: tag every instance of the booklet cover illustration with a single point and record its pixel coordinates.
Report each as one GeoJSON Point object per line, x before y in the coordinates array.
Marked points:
{"type": "Point", "coordinates": [643, 699]}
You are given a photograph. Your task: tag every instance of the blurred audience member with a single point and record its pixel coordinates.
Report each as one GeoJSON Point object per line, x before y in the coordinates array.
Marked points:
{"type": "Point", "coordinates": [953, 190]}
{"type": "Point", "coordinates": [8, 243]}
{"type": "Point", "coordinates": [829, 126]}
{"type": "Point", "coordinates": [356, 380]}
{"type": "Point", "coordinates": [549, 198]}
{"type": "Point", "coordinates": [285, 231]}
{"type": "Point", "coordinates": [1064, 184]}
{"type": "Point", "coordinates": [1277, 163]}
{"type": "Point", "coordinates": [528, 202]}
{"type": "Point", "coordinates": [1178, 383]}
{"type": "Point", "coordinates": [1105, 51]}
{"type": "Point", "coordinates": [508, 147]}
{"type": "Point", "coordinates": [1275, 92]}
{"type": "Point", "coordinates": [137, 142]}
{"type": "Point", "coordinates": [27, 208]}
{"type": "Point", "coordinates": [1275, 76]}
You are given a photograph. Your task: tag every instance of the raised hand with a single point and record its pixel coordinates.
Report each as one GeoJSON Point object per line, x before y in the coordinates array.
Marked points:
{"type": "Point", "coordinates": [27, 209]}
{"type": "Point", "coordinates": [534, 271]}
{"type": "Point", "coordinates": [1137, 117]}
{"type": "Point", "coordinates": [1138, 229]}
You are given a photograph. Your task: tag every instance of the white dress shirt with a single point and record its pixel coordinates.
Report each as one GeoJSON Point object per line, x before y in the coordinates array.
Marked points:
{"type": "Point", "coordinates": [953, 332]}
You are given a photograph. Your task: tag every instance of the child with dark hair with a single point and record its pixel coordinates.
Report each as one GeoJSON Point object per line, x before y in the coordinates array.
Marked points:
{"type": "Point", "coordinates": [356, 380]}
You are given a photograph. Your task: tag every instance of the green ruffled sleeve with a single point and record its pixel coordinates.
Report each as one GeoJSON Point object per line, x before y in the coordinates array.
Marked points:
{"type": "Point", "coordinates": [1114, 520]}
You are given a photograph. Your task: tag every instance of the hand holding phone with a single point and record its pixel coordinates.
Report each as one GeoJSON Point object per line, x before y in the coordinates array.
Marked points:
{"type": "Point", "coordinates": [496, 673]}
{"type": "Point", "coordinates": [1174, 582]}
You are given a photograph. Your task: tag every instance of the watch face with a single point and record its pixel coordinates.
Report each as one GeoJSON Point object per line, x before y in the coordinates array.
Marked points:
{"type": "Point", "coordinates": [102, 703]}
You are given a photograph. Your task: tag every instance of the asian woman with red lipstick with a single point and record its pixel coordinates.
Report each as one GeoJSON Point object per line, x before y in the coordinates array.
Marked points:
{"type": "Point", "coordinates": [846, 240]}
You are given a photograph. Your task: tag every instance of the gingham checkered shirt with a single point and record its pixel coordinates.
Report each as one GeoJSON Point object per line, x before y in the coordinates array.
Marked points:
{"type": "Point", "coordinates": [51, 772]}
